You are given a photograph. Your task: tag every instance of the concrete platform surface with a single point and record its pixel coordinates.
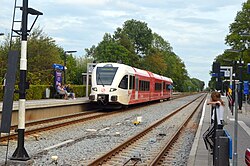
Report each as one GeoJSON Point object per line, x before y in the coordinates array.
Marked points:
{"type": "Point", "coordinates": [48, 103]}
{"type": "Point", "coordinates": [199, 155]}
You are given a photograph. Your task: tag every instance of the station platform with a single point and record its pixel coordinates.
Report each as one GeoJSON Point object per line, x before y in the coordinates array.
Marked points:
{"type": "Point", "coordinates": [199, 155]}
{"type": "Point", "coordinates": [43, 103]}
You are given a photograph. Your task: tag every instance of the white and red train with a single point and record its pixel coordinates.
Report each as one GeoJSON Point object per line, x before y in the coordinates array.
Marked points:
{"type": "Point", "coordinates": [115, 84]}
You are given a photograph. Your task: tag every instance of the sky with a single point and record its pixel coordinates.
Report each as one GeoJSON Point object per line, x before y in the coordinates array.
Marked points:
{"type": "Point", "coordinates": [195, 29]}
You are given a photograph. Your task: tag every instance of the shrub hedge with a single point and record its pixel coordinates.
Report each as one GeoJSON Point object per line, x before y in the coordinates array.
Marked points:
{"type": "Point", "coordinates": [36, 92]}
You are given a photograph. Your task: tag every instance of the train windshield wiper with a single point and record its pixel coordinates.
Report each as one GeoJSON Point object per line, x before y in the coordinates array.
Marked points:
{"type": "Point", "coordinates": [99, 78]}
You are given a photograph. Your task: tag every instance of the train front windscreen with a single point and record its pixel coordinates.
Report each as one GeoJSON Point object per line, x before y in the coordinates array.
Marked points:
{"type": "Point", "coordinates": [105, 75]}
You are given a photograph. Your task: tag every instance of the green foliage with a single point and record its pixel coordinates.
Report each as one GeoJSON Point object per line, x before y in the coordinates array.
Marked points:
{"type": "Point", "coordinates": [198, 84]}
{"type": "Point", "coordinates": [160, 44]}
{"type": "Point", "coordinates": [42, 54]}
{"type": "Point", "coordinates": [240, 26]}
{"type": "Point", "coordinates": [238, 39]}
{"type": "Point", "coordinates": [138, 33]}
{"type": "Point", "coordinates": [155, 63]}
{"type": "Point", "coordinates": [134, 44]}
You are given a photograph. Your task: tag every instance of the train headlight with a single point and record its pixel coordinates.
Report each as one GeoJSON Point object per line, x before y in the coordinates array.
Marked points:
{"type": "Point", "coordinates": [112, 89]}
{"type": "Point", "coordinates": [94, 88]}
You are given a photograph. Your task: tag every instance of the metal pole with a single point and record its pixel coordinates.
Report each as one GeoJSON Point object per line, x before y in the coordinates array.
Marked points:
{"type": "Point", "coordinates": [240, 83]}
{"type": "Point", "coordinates": [246, 103]}
{"type": "Point", "coordinates": [87, 81]}
{"type": "Point", "coordinates": [235, 158]}
{"type": "Point", "coordinates": [234, 82]}
{"type": "Point", "coordinates": [231, 77]}
{"type": "Point", "coordinates": [20, 153]}
{"type": "Point", "coordinates": [65, 68]}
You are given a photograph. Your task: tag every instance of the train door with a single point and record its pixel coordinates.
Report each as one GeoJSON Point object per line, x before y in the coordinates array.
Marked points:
{"type": "Point", "coordinates": [131, 89]}
{"type": "Point", "coordinates": [136, 87]}
{"type": "Point", "coordinates": [162, 88]}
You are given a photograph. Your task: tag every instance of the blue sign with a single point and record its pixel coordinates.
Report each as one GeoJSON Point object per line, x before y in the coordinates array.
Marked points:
{"type": "Point", "coordinates": [230, 144]}
{"type": "Point", "coordinates": [58, 77]}
{"type": "Point", "coordinates": [58, 74]}
{"type": "Point", "coordinates": [58, 66]}
{"type": "Point", "coordinates": [246, 87]}
{"type": "Point", "coordinates": [216, 74]}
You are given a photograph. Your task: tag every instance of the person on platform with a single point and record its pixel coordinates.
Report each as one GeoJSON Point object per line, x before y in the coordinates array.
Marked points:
{"type": "Point", "coordinates": [62, 91]}
{"type": "Point", "coordinates": [69, 91]}
{"type": "Point", "coordinates": [218, 108]}
{"type": "Point", "coordinates": [218, 105]}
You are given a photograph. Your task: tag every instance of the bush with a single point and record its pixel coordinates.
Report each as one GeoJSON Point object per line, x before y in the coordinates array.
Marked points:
{"type": "Point", "coordinates": [36, 92]}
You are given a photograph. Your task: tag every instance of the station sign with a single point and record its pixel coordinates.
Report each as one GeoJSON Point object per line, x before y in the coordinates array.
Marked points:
{"type": "Point", "coordinates": [226, 73]}
{"type": "Point", "coordinates": [246, 87]}
{"type": "Point", "coordinates": [216, 74]}
{"type": "Point", "coordinates": [58, 66]}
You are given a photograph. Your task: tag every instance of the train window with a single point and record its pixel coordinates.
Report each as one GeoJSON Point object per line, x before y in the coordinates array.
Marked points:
{"type": "Point", "coordinates": [136, 84]}
{"type": "Point", "coordinates": [157, 86]}
{"type": "Point", "coordinates": [124, 82]}
{"type": "Point", "coordinates": [105, 75]}
{"type": "Point", "coordinates": [169, 86]}
{"type": "Point", "coordinates": [148, 85]}
{"type": "Point", "coordinates": [132, 82]}
{"type": "Point", "coordinates": [164, 85]}
{"type": "Point", "coordinates": [144, 85]}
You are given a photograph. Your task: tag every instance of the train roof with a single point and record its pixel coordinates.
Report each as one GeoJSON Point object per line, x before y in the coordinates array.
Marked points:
{"type": "Point", "coordinates": [138, 71]}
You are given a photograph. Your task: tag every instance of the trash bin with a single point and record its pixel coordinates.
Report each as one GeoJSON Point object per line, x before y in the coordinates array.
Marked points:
{"type": "Point", "coordinates": [47, 93]}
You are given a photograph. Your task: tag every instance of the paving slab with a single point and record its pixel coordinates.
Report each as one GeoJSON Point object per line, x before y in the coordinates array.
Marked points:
{"type": "Point", "coordinates": [199, 154]}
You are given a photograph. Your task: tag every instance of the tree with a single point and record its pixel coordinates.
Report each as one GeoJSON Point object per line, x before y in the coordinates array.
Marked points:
{"type": "Point", "coordinates": [138, 34]}
{"type": "Point", "coordinates": [240, 26]}
{"type": "Point", "coordinates": [42, 54]}
{"type": "Point", "coordinates": [155, 63]}
{"type": "Point", "coordinates": [160, 44]}
{"type": "Point", "coordinates": [238, 41]}
{"type": "Point", "coordinates": [198, 84]}
{"type": "Point", "coordinates": [110, 50]}
{"type": "Point", "coordinates": [135, 45]}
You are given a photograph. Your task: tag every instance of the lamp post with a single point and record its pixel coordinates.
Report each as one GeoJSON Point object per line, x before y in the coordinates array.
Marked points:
{"type": "Point", "coordinates": [65, 61]}
{"type": "Point", "coordinates": [20, 152]}
{"type": "Point", "coordinates": [240, 75]}
{"type": "Point", "coordinates": [236, 103]}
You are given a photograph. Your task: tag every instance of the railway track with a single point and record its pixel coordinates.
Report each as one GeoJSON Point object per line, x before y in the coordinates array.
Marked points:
{"type": "Point", "coordinates": [143, 148]}
{"type": "Point", "coordinates": [57, 122]}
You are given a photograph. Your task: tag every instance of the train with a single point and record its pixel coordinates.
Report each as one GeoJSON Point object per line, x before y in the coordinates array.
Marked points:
{"type": "Point", "coordinates": [117, 85]}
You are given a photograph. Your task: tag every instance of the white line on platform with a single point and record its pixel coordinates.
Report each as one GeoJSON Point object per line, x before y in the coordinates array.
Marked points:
{"type": "Point", "coordinates": [194, 148]}
{"type": "Point", "coordinates": [57, 145]}
{"type": "Point", "coordinates": [243, 125]}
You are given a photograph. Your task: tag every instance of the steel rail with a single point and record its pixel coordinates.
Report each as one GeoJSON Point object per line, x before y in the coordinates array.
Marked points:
{"type": "Point", "coordinates": [159, 158]}
{"type": "Point", "coordinates": [70, 122]}
{"type": "Point", "coordinates": [101, 160]}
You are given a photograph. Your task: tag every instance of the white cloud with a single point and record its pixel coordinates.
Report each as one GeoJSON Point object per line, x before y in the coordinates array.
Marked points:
{"type": "Point", "coordinates": [112, 13]}
{"type": "Point", "coordinates": [195, 29]}
{"type": "Point", "coordinates": [84, 2]}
